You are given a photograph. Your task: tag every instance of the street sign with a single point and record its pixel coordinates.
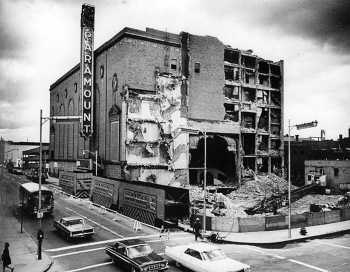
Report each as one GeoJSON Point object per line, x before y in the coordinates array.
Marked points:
{"type": "Point", "coordinates": [307, 125]}
{"type": "Point", "coordinates": [39, 215]}
{"type": "Point", "coordinates": [85, 164]}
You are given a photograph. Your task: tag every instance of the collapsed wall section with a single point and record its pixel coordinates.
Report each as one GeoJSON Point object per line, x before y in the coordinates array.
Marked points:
{"type": "Point", "coordinates": [156, 150]}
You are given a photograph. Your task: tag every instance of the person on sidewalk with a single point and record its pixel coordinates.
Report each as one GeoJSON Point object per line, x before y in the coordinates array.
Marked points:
{"type": "Point", "coordinates": [5, 258]}
{"type": "Point", "coordinates": [196, 228]}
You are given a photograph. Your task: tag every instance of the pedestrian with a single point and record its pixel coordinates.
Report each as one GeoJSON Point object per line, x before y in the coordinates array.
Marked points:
{"type": "Point", "coordinates": [196, 228]}
{"type": "Point", "coordinates": [5, 258]}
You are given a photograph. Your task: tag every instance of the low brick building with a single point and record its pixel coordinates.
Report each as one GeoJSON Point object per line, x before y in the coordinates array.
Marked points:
{"type": "Point", "coordinates": [337, 173]}
{"type": "Point", "coordinates": [157, 93]}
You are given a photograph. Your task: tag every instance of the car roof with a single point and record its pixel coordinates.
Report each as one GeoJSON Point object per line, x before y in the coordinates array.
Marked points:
{"type": "Point", "coordinates": [33, 187]}
{"type": "Point", "coordinates": [132, 242]}
{"type": "Point", "coordinates": [201, 246]}
{"type": "Point", "coordinates": [69, 218]}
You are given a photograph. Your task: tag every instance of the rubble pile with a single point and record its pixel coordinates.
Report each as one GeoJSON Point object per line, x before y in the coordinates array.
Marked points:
{"type": "Point", "coordinates": [248, 195]}
{"type": "Point", "coordinates": [303, 205]}
{"type": "Point", "coordinates": [254, 191]}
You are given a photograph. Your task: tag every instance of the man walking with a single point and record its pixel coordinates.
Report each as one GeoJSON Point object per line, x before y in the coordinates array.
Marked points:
{"type": "Point", "coordinates": [5, 258]}
{"type": "Point", "coordinates": [196, 228]}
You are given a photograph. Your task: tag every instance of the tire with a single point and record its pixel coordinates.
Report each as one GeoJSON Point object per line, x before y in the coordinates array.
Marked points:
{"type": "Point", "coordinates": [177, 264]}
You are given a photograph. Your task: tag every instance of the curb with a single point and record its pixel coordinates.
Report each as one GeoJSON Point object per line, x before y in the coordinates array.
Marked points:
{"type": "Point", "coordinates": [49, 265]}
{"type": "Point", "coordinates": [284, 242]}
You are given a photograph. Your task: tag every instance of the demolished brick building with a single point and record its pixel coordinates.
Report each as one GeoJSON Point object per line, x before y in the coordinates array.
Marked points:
{"type": "Point", "coordinates": [157, 93]}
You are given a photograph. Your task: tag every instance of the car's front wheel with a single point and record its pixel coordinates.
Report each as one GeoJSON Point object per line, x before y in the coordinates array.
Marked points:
{"type": "Point", "coordinates": [177, 264]}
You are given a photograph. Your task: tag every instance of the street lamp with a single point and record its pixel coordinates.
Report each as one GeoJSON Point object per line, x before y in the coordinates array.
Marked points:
{"type": "Point", "coordinates": [300, 126]}
{"type": "Point", "coordinates": [96, 156]}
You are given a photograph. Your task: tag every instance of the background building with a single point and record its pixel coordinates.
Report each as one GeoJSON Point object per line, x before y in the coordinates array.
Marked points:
{"type": "Point", "coordinates": [13, 151]}
{"type": "Point", "coordinates": [155, 96]}
{"type": "Point", "coordinates": [337, 173]}
{"type": "Point", "coordinates": [315, 148]}
{"type": "Point", "coordinates": [30, 157]}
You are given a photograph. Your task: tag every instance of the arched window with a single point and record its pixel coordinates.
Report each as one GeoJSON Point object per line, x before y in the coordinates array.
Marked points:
{"type": "Point", "coordinates": [70, 132]}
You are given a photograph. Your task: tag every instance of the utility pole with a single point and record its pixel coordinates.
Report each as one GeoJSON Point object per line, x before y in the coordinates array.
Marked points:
{"type": "Point", "coordinates": [62, 119]}
{"type": "Point", "coordinates": [300, 126]}
{"type": "Point", "coordinates": [40, 166]}
{"type": "Point", "coordinates": [205, 183]}
{"type": "Point", "coordinates": [289, 186]}
{"type": "Point", "coordinates": [96, 156]}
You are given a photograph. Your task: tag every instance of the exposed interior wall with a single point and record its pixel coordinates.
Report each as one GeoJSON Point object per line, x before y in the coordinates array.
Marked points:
{"type": "Point", "coordinates": [155, 147]}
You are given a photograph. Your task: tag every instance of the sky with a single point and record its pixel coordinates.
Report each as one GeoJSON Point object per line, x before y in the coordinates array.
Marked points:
{"type": "Point", "coordinates": [40, 41]}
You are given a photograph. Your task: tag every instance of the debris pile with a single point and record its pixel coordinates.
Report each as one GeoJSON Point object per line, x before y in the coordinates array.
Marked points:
{"type": "Point", "coordinates": [254, 191]}
{"type": "Point", "coordinates": [303, 205]}
{"type": "Point", "coordinates": [251, 193]}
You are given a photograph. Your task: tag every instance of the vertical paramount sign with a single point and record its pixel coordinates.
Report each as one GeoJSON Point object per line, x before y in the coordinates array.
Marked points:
{"type": "Point", "coordinates": [87, 68]}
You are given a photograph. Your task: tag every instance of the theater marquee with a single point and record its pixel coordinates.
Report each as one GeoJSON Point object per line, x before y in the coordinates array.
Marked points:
{"type": "Point", "coordinates": [87, 68]}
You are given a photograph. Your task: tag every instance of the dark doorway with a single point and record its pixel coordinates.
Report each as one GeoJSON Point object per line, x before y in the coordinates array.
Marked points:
{"type": "Point", "coordinates": [221, 162]}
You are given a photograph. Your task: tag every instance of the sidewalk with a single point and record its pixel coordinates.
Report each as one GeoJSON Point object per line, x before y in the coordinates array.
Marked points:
{"type": "Point", "coordinates": [281, 236]}
{"type": "Point", "coordinates": [23, 249]}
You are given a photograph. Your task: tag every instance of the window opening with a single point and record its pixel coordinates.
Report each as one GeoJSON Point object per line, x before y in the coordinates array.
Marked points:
{"type": "Point", "coordinates": [336, 172]}
{"type": "Point", "coordinates": [197, 67]}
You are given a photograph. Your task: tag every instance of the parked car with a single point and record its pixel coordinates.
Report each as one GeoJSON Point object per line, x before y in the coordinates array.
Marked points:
{"type": "Point", "coordinates": [135, 255]}
{"type": "Point", "coordinates": [204, 257]}
{"type": "Point", "coordinates": [33, 175]}
{"type": "Point", "coordinates": [73, 227]}
{"type": "Point", "coordinates": [17, 171]}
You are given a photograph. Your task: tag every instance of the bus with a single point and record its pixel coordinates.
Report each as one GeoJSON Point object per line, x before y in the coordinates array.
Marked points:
{"type": "Point", "coordinates": [29, 196]}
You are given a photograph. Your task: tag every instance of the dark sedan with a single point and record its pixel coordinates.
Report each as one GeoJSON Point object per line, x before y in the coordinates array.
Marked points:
{"type": "Point", "coordinates": [136, 256]}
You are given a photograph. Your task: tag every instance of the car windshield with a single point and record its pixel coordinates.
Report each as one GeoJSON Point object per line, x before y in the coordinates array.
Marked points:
{"type": "Point", "coordinates": [139, 251]}
{"type": "Point", "coordinates": [214, 255]}
{"type": "Point", "coordinates": [73, 222]}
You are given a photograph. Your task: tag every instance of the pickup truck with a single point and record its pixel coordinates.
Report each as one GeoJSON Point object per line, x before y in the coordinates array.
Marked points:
{"type": "Point", "coordinates": [73, 227]}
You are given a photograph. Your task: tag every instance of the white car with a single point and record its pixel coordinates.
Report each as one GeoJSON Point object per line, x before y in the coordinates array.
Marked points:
{"type": "Point", "coordinates": [204, 257]}
{"type": "Point", "coordinates": [73, 227]}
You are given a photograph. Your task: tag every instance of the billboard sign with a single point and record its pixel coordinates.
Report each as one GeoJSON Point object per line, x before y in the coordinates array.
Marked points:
{"type": "Point", "coordinates": [87, 68]}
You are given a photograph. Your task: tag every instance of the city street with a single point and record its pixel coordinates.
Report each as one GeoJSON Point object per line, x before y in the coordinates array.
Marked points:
{"type": "Point", "coordinates": [328, 254]}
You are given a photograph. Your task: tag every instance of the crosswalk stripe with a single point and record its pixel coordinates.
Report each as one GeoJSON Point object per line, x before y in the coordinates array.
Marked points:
{"type": "Point", "coordinates": [331, 244]}
{"type": "Point", "coordinates": [77, 252]}
{"type": "Point", "coordinates": [308, 265]}
{"type": "Point", "coordinates": [115, 240]}
{"type": "Point", "coordinates": [89, 267]}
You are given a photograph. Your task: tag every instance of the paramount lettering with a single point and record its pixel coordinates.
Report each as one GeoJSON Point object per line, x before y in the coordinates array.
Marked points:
{"type": "Point", "coordinates": [87, 105]}
{"type": "Point", "coordinates": [86, 117]}
{"type": "Point", "coordinates": [87, 69]}
{"type": "Point", "coordinates": [87, 81]}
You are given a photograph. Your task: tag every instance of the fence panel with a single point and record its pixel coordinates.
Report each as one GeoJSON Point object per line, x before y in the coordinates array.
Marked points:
{"type": "Point", "coordinates": [252, 224]}
{"type": "Point", "coordinates": [332, 216]}
{"type": "Point", "coordinates": [315, 218]}
{"type": "Point", "coordinates": [276, 222]}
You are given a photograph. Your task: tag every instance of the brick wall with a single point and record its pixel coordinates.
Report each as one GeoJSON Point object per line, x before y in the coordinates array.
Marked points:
{"type": "Point", "coordinates": [65, 139]}
{"type": "Point", "coordinates": [134, 62]}
{"type": "Point", "coordinates": [206, 99]}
